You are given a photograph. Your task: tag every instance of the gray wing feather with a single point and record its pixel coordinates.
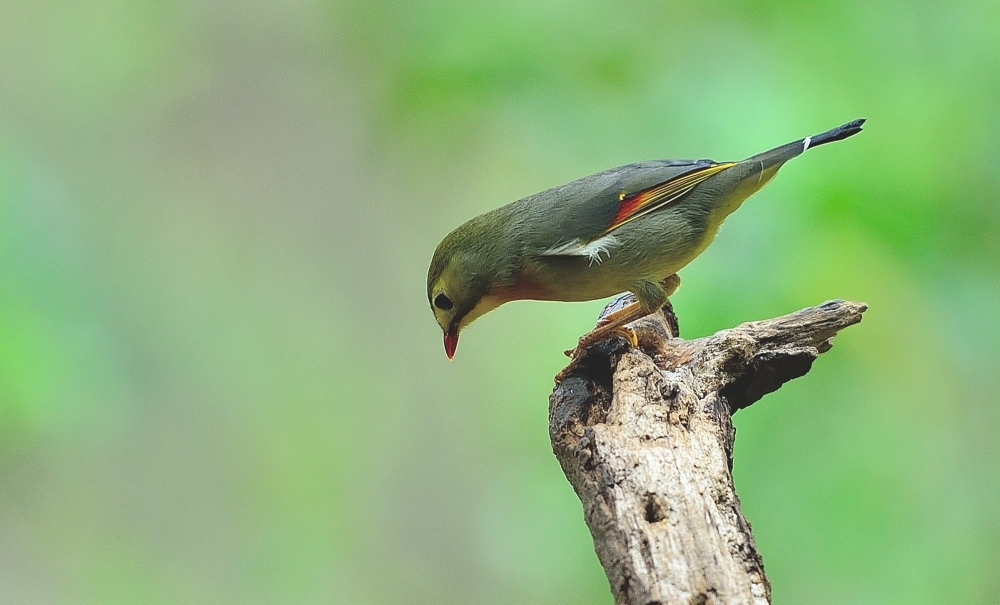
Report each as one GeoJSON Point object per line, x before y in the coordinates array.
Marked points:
{"type": "Point", "coordinates": [583, 210]}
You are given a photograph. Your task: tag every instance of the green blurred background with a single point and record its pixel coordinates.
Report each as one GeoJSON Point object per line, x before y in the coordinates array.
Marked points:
{"type": "Point", "coordinates": [219, 378]}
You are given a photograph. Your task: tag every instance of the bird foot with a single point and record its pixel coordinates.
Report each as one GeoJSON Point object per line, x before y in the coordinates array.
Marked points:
{"type": "Point", "coordinates": [595, 338]}
{"type": "Point", "coordinates": [598, 336]}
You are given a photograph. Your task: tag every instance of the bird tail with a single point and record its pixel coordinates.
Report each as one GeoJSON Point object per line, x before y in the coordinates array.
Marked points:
{"type": "Point", "coordinates": [744, 179]}
{"type": "Point", "coordinates": [839, 133]}
{"type": "Point", "coordinates": [779, 155]}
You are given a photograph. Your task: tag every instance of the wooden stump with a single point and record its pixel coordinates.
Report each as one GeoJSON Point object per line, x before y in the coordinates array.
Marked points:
{"type": "Point", "coordinates": [646, 439]}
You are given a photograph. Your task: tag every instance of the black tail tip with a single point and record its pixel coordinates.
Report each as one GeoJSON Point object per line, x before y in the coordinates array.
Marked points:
{"type": "Point", "coordinates": [841, 132]}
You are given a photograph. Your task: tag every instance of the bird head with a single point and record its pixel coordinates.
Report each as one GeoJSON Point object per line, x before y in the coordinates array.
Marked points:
{"type": "Point", "coordinates": [459, 283]}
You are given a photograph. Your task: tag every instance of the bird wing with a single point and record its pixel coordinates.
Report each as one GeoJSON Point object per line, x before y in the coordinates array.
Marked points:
{"type": "Point", "coordinates": [583, 214]}
{"type": "Point", "coordinates": [640, 203]}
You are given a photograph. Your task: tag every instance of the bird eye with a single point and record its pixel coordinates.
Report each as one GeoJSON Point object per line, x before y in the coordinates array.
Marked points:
{"type": "Point", "coordinates": [443, 302]}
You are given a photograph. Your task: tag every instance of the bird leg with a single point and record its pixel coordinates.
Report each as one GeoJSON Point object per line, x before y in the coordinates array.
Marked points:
{"type": "Point", "coordinates": [612, 325]}
{"type": "Point", "coordinates": [609, 326]}
{"type": "Point", "coordinates": [616, 323]}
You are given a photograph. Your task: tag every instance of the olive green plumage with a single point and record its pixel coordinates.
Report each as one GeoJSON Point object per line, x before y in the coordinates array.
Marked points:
{"type": "Point", "coordinates": [626, 228]}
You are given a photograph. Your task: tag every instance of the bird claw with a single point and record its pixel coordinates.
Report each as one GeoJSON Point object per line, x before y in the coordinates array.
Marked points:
{"type": "Point", "coordinates": [565, 372]}
{"type": "Point", "coordinates": [629, 335]}
{"type": "Point", "coordinates": [588, 341]}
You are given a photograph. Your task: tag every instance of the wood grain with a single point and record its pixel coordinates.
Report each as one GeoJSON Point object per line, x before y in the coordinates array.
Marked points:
{"type": "Point", "coordinates": [645, 436]}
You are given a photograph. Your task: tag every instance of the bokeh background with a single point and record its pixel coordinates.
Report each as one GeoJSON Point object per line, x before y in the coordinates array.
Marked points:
{"type": "Point", "coordinates": [219, 378]}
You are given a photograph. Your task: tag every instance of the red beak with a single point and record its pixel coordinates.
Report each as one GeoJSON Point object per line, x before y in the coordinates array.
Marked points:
{"type": "Point", "coordinates": [450, 343]}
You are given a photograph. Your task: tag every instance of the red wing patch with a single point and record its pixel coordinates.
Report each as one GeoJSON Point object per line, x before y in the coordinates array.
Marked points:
{"type": "Point", "coordinates": [643, 202]}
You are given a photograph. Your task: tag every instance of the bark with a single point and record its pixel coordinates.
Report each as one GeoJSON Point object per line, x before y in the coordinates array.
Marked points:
{"type": "Point", "coordinates": [646, 439]}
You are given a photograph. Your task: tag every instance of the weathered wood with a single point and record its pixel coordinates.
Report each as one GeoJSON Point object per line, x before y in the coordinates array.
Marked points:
{"type": "Point", "coordinates": [646, 439]}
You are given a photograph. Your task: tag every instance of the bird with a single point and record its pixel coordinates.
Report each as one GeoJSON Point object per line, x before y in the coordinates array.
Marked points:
{"type": "Point", "coordinates": [630, 228]}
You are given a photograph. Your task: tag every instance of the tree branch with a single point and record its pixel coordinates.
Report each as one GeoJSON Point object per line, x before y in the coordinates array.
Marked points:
{"type": "Point", "coordinates": [646, 439]}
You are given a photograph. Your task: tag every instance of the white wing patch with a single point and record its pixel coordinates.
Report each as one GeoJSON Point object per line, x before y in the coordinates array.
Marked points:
{"type": "Point", "coordinates": [592, 250]}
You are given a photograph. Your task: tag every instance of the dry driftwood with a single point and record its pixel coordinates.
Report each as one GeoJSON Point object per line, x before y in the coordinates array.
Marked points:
{"type": "Point", "coordinates": [646, 439]}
